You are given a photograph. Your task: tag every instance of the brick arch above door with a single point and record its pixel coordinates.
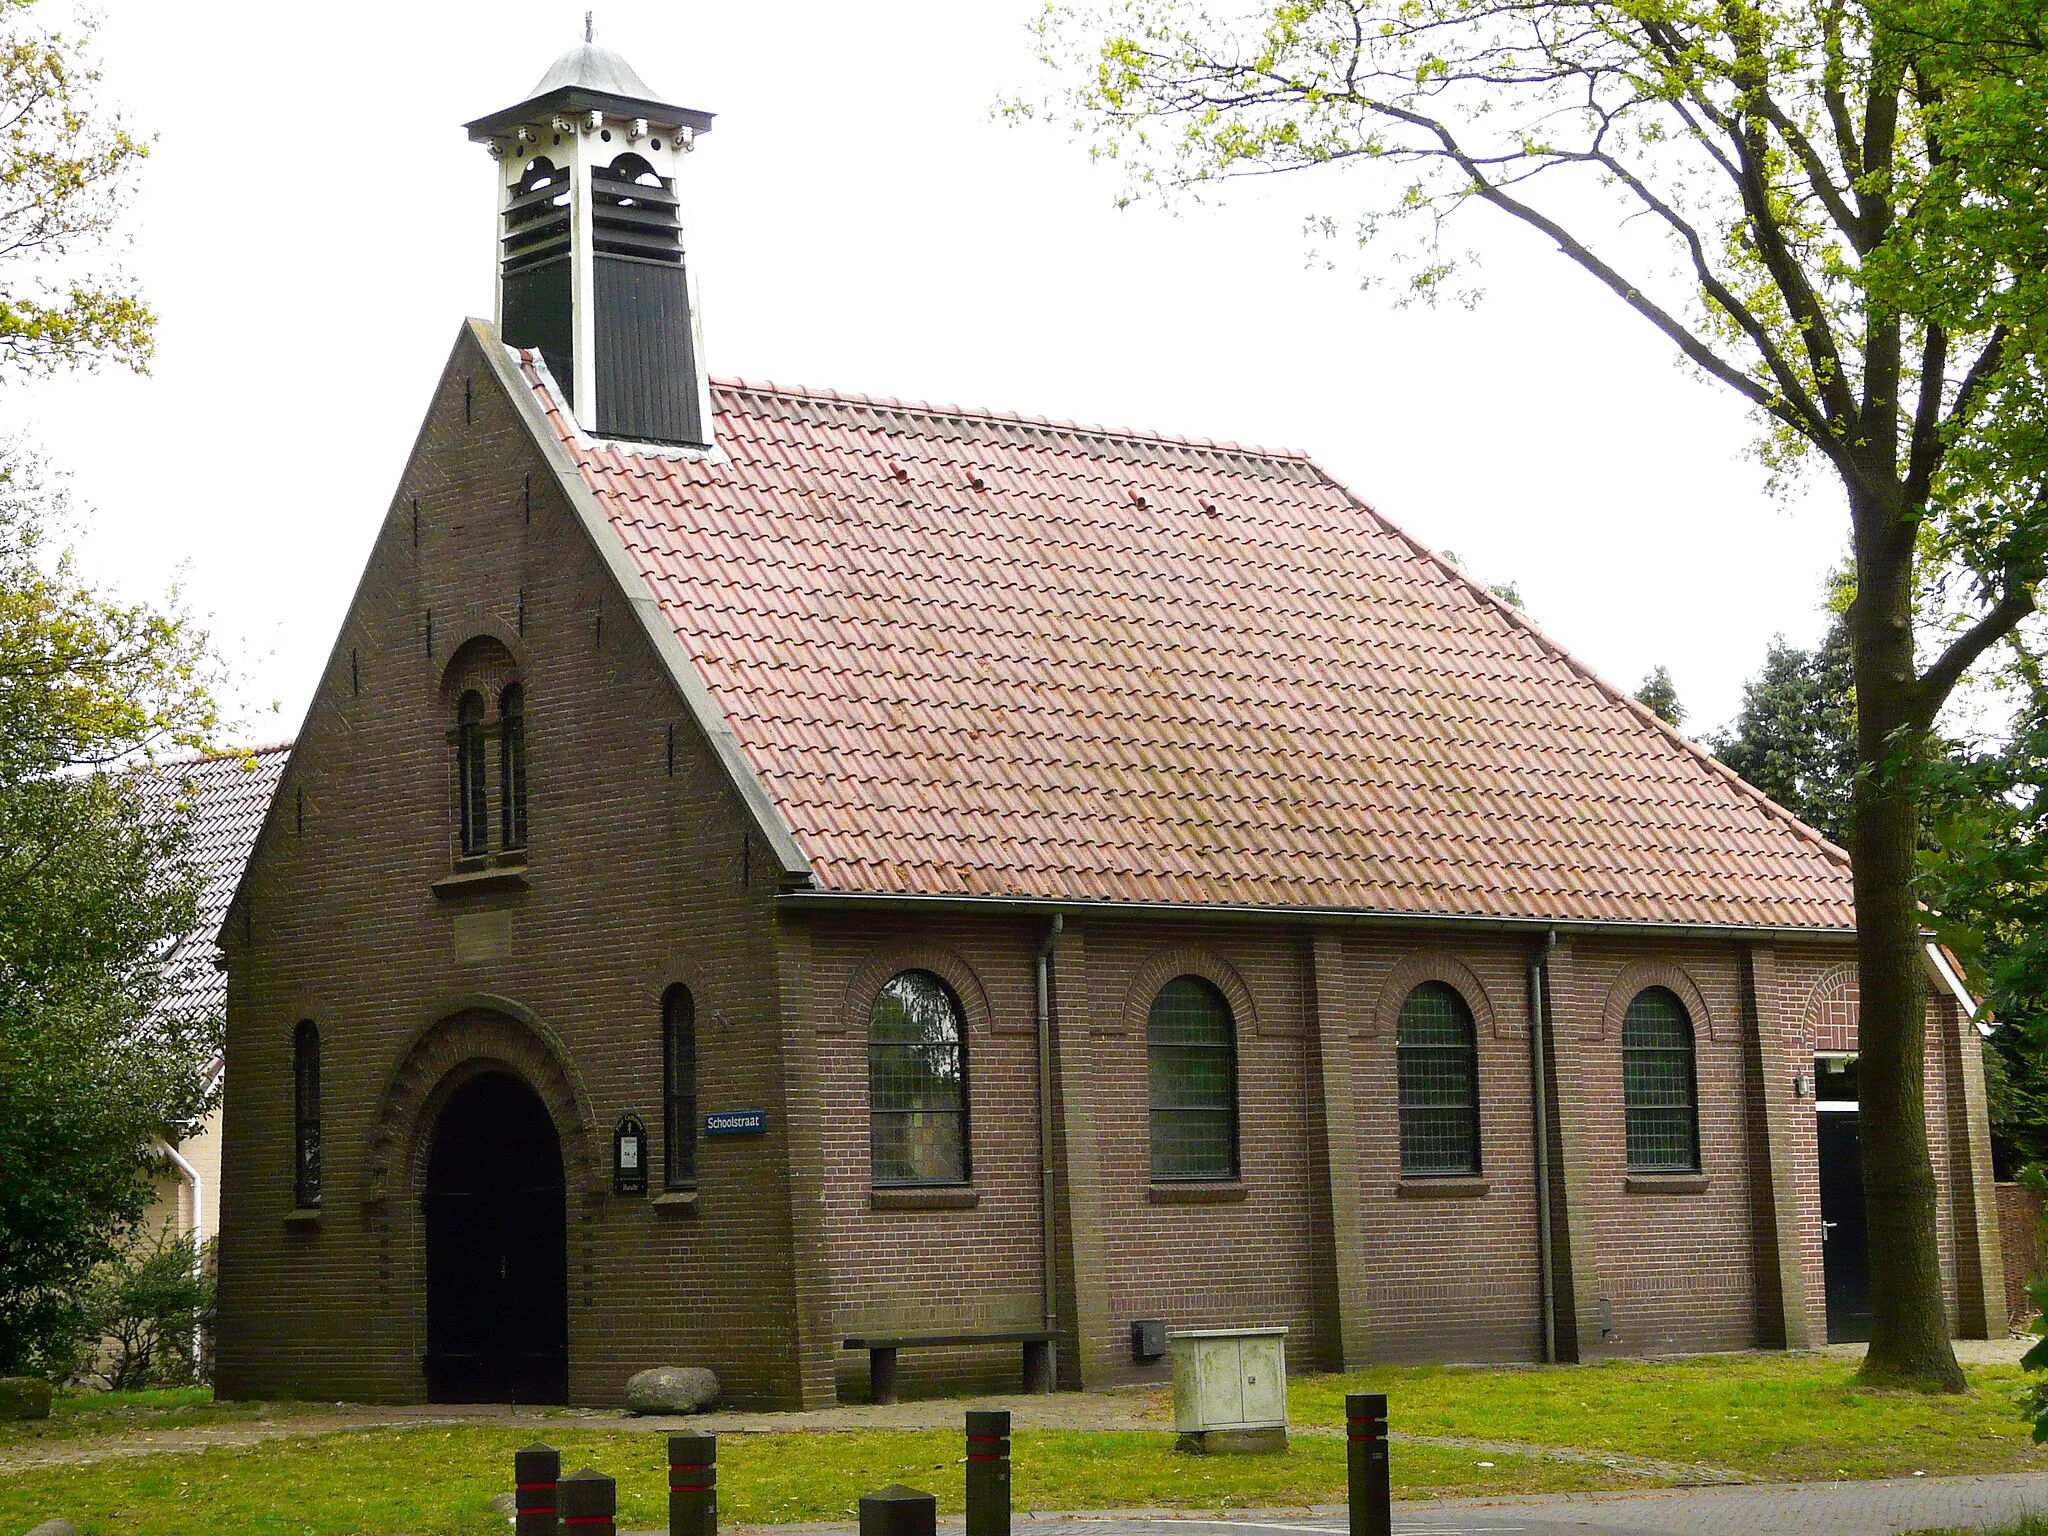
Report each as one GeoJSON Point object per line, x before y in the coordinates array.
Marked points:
{"type": "Point", "coordinates": [480, 1029]}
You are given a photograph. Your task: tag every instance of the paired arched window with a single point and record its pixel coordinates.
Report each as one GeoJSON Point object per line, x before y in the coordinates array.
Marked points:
{"type": "Point", "coordinates": [469, 771]}
{"type": "Point", "coordinates": [1191, 1051]}
{"type": "Point", "coordinates": [306, 1115]}
{"type": "Point", "coordinates": [512, 765]}
{"type": "Point", "coordinates": [1437, 1061]}
{"type": "Point", "coordinates": [1660, 1092]}
{"type": "Point", "coordinates": [679, 1088]}
{"type": "Point", "coordinates": [917, 1083]}
{"type": "Point", "coordinates": [473, 733]}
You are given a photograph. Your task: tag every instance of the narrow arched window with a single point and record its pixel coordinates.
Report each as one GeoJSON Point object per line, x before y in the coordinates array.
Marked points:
{"type": "Point", "coordinates": [1659, 1088]}
{"type": "Point", "coordinates": [917, 1083]}
{"type": "Point", "coordinates": [306, 1115]}
{"type": "Point", "coordinates": [1191, 1050]}
{"type": "Point", "coordinates": [1437, 1061]}
{"type": "Point", "coordinates": [469, 773]}
{"type": "Point", "coordinates": [679, 1088]}
{"type": "Point", "coordinates": [512, 765]}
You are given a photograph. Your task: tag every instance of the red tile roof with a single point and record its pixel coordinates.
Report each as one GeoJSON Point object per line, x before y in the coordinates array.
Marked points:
{"type": "Point", "coordinates": [981, 655]}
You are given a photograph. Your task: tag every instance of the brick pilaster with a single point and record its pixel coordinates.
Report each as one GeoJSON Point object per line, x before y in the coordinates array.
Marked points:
{"type": "Point", "coordinates": [1332, 1005]}
{"type": "Point", "coordinates": [1782, 1317]}
{"type": "Point", "coordinates": [1084, 1298]}
{"type": "Point", "coordinates": [1572, 1022]}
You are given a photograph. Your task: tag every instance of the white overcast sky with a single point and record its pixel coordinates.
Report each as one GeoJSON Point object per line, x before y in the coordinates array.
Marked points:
{"type": "Point", "coordinates": [312, 227]}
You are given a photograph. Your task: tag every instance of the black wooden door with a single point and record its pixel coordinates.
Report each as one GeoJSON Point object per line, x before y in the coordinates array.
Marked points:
{"type": "Point", "coordinates": [1845, 1246]}
{"type": "Point", "coordinates": [497, 1249]}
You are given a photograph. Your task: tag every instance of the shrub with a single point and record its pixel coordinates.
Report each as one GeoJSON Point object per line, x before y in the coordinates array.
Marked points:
{"type": "Point", "coordinates": [148, 1315]}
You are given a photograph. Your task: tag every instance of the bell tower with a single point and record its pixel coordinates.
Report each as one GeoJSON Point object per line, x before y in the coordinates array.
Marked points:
{"type": "Point", "coordinates": [592, 265]}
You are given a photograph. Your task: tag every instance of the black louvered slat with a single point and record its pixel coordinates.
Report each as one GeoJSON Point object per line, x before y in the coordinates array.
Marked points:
{"type": "Point", "coordinates": [646, 355]}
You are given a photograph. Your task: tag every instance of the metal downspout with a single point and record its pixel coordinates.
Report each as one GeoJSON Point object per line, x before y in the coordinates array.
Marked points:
{"type": "Point", "coordinates": [1050, 1300]}
{"type": "Point", "coordinates": [1538, 1054]}
{"type": "Point", "coordinates": [179, 1162]}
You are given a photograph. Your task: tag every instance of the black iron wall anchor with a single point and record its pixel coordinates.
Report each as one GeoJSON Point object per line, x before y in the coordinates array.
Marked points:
{"type": "Point", "coordinates": [1371, 1485]}
{"type": "Point", "coordinates": [988, 1473]}
{"type": "Point", "coordinates": [535, 1472]}
{"type": "Point", "coordinates": [693, 1485]}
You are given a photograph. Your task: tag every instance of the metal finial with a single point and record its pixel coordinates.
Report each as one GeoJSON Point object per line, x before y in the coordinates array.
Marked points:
{"type": "Point", "coordinates": [589, 26]}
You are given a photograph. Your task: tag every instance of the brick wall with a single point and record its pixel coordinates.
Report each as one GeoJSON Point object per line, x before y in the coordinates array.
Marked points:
{"type": "Point", "coordinates": [643, 870]}
{"type": "Point", "coordinates": [2020, 1239]}
{"type": "Point", "coordinates": [635, 879]}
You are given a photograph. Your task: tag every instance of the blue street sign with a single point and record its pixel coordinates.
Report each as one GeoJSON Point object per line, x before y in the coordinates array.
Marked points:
{"type": "Point", "coordinates": [736, 1122]}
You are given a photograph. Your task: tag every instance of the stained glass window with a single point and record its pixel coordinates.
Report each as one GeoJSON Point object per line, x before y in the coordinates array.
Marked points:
{"type": "Point", "coordinates": [1191, 1043]}
{"type": "Point", "coordinates": [1659, 1089]}
{"type": "Point", "coordinates": [1437, 1061]}
{"type": "Point", "coordinates": [917, 1083]}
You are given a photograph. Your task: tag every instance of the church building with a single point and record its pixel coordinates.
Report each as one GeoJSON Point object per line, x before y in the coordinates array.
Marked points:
{"type": "Point", "coordinates": [870, 897]}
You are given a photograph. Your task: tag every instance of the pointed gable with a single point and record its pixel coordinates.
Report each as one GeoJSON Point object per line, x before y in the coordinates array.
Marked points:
{"type": "Point", "coordinates": [989, 656]}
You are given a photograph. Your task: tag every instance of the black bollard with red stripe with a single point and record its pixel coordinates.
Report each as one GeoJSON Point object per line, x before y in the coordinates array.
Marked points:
{"type": "Point", "coordinates": [1372, 1493]}
{"type": "Point", "coordinates": [589, 1503]}
{"type": "Point", "coordinates": [988, 1473]}
{"type": "Point", "coordinates": [693, 1485]}
{"type": "Point", "coordinates": [535, 1472]}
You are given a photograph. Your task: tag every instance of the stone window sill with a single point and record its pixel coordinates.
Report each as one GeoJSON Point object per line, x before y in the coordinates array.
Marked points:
{"type": "Point", "coordinates": [1667, 1183]}
{"type": "Point", "coordinates": [303, 1216]}
{"type": "Point", "coordinates": [475, 881]}
{"type": "Point", "coordinates": [1443, 1187]}
{"type": "Point", "coordinates": [1221, 1193]}
{"type": "Point", "coordinates": [675, 1201]}
{"type": "Point", "coordinates": [939, 1198]}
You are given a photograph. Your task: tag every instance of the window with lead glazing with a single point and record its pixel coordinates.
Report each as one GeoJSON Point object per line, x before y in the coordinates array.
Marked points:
{"type": "Point", "coordinates": [1437, 1061]}
{"type": "Point", "coordinates": [512, 766]}
{"type": "Point", "coordinates": [306, 1115]}
{"type": "Point", "coordinates": [679, 1088]}
{"type": "Point", "coordinates": [471, 788]}
{"type": "Point", "coordinates": [1660, 1091]}
{"type": "Point", "coordinates": [1191, 1051]}
{"type": "Point", "coordinates": [917, 1083]}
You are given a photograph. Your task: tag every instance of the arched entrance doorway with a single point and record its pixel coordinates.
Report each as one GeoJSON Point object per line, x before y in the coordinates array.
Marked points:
{"type": "Point", "coordinates": [497, 1248]}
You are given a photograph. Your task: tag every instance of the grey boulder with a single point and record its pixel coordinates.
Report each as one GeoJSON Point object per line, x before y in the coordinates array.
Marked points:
{"type": "Point", "coordinates": [57, 1527]}
{"type": "Point", "coordinates": [671, 1389]}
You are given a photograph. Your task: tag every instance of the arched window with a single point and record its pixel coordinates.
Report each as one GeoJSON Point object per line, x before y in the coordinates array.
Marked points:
{"type": "Point", "coordinates": [1659, 1089]}
{"type": "Point", "coordinates": [306, 1115]}
{"type": "Point", "coordinates": [679, 1088]}
{"type": "Point", "coordinates": [1191, 1046]}
{"type": "Point", "coordinates": [512, 765]}
{"type": "Point", "coordinates": [1437, 1061]}
{"type": "Point", "coordinates": [917, 1083]}
{"type": "Point", "coordinates": [469, 773]}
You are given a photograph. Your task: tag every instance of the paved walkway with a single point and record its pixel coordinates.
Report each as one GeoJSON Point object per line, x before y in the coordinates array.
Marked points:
{"type": "Point", "coordinates": [1805, 1509]}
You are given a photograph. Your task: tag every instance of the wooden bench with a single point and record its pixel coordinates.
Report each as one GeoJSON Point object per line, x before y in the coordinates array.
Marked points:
{"type": "Point", "coordinates": [882, 1356]}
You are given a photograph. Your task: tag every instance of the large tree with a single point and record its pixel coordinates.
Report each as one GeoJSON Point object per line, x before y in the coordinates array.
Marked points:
{"type": "Point", "coordinates": [1830, 207]}
{"type": "Point", "coordinates": [101, 1055]}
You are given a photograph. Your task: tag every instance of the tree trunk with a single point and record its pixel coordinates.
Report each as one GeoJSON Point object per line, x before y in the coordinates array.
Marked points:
{"type": "Point", "coordinates": [1909, 1342]}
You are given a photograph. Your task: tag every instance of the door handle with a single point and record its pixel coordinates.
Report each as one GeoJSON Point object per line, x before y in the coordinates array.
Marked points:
{"type": "Point", "coordinates": [1829, 1226]}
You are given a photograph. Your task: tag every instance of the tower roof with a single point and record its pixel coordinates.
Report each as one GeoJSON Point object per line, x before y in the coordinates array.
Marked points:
{"type": "Point", "coordinates": [591, 68]}
{"type": "Point", "coordinates": [590, 78]}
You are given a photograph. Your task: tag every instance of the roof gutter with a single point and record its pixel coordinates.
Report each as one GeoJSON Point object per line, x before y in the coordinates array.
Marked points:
{"type": "Point", "coordinates": [1047, 906]}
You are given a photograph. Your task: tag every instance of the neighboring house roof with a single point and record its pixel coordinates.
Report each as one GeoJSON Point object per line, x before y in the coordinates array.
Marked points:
{"type": "Point", "coordinates": [226, 797]}
{"type": "Point", "coordinates": [978, 655]}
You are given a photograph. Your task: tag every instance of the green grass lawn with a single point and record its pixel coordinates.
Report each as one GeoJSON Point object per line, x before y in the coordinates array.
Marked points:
{"type": "Point", "coordinates": [1771, 1417]}
{"type": "Point", "coordinates": [421, 1481]}
{"type": "Point", "coordinates": [1776, 1417]}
